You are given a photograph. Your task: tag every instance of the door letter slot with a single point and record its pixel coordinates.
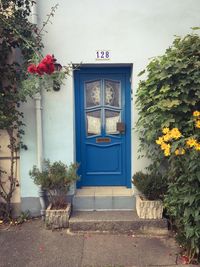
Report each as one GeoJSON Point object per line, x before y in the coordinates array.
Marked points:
{"type": "Point", "coordinates": [103, 140]}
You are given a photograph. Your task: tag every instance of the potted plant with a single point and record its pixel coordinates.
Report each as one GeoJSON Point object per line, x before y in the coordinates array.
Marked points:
{"type": "Point", "coordinates": [151, 189]}
{"type": "Point", "coordinates": [55, 179]}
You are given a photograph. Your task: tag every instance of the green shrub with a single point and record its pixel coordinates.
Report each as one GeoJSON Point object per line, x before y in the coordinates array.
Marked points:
{"type": "Point", "coordinates": [165, 101]}
{"type": "Point", "coordinates": [183, 196]}
{"type": "Point", "coordinates": [56, 179]}
{"type": "Point", "coordinates": [152, 186]}
{"type": "Point", "coordinates": [169, 94]}
{"type": "Point", "coordinates": [183, 201]}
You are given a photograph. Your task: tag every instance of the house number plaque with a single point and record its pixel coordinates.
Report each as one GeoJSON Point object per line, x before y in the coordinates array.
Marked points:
{"type": "Point", "coordinates": [102, 54]}
{"type": "Point", "coordinates": [103, 140]}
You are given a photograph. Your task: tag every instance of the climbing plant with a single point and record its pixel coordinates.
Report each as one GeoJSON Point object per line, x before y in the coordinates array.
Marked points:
{"type": "Point", "coordinates": [165, 101]}
{"type": "Point", "coordinates": [20, 43]}
{"type": "Point", "coordinates": [169, 94]}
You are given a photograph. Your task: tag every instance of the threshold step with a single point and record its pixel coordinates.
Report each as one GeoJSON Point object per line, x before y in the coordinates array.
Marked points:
{"type": "Point", "coordinates": [104, 191]}
{"type": "Point", "coordinates": [92, 203]}
{"type": "Point", "coordinates": [115, 222]}
{"type": "Point", "coordinates": [104, 198]}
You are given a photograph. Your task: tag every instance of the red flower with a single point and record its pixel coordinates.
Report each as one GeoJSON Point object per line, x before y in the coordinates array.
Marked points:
{"type": "Point", "coordinates": [41, 68]}
{"type": "Point", "coordinates": [45, 66]}
{"type": "Point", "coordinates": [32, 68]}
{"type": "Point", "coordinates": [48, 60]}
{"type": "Point", "coordinates": [39, 71]}
{"type": "Point", "coordinates": [51, 68]}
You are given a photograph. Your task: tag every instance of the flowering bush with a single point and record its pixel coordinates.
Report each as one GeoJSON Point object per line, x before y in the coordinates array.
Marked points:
{"type": "Point", "coordinates": [183, 196]}
{"type": "Point", "coordinates": [167, 96]}
{"type": "Point", "coordinates": [184, 143]}
{"type": "Point", "coordinates": [19, 35]}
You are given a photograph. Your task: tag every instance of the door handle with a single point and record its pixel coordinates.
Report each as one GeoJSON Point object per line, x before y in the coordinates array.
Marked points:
{"type": "Point", "coordinates": [121, 127]}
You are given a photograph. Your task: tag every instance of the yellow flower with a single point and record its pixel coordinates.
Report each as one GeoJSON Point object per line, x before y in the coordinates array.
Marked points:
{"type": "Point", "coordinates": [177, 152]}
{"type": "Point", "coordinates": [167, 152]}
{"type": "Point", "coordinates": [180, 151]}
{"type": "Point", "coordinates": [165, 146]}
{"type": "Point", "coordinates": [175, 133]}
{"type": "Point", "coordinates": [165, 130]}
{"type": "Point", "coordinates": [196, 113]}
{"type": "Point", "coordinates": [197, 124]}
{"type": "Point", "coordinates": [167, 137]}
{"type": "Point", "coordinates": [159, 141]}
{"type": "Point", "coordinates": [191, 142]}
{"type": "Point", "coordinates": [197, 146]}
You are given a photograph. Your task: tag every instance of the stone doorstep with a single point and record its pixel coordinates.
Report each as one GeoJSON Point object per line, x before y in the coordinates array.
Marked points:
{"type": "Point", "coordinates": [91, 203]}
{"type": "Point", "coordinates": [104, 191]}
{"type": "Point", "coordinates": [104, 198]}
{"type": "Point", "coordinates": [116, 222]}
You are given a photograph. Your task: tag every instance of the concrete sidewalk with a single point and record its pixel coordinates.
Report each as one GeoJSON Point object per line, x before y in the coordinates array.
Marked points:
{"type": "Point", "coordinates": [30, 244]}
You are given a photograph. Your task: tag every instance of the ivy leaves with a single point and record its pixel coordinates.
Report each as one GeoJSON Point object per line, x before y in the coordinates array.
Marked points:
{"type": "Point", "coordinates": [183, 201]}
{"type": "Point", "coordinates": [167, 98]}
{"type": "Point", "coordinates": [172, 89]}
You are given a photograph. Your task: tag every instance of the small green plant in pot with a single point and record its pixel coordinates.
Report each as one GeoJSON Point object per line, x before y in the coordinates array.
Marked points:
{"type": "Point", "coordinates": [152, 188]}
{"type": "Point", "coordinates": [55, 179]}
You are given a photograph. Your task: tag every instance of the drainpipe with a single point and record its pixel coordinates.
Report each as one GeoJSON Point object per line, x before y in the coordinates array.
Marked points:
{"type": "Point", "coordinates": [38, 109]}
{"type": "Point", "coordinates": [39, 136]}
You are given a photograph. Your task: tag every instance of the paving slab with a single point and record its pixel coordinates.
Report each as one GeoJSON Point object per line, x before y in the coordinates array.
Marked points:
{"type": "Point", "coordinates": [31, 245]}
{"type": "Point", "coordinates": [112, 250]}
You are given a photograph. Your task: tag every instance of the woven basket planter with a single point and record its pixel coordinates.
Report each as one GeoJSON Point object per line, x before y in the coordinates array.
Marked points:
{"type": "Point", "coordinates": [148, 209]}
{"type": "Point", "coordinates": [58, 218]}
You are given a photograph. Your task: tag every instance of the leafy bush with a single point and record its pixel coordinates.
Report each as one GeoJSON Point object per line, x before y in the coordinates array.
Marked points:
{"type": "Point", "coordinates": [17, 33]}
{"type": "Point", "coordinates": [20, 41]}
{"type": "Point", "coordinates": [55, 178]}
{"type": "Point", "coordinates": [183, 197]}
{"type": "Point", "coordinates": [165, 101]}
{"type": "Point", "coordinates": [170, 93]}
{"type": "Point", "coordinates": [183, 201]}
{"type": "Point", "coordinates": [152, 186]}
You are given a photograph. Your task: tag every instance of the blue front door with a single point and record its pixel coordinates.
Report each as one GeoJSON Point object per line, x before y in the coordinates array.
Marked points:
{"type": "Point", "coordinates": [102, 100]}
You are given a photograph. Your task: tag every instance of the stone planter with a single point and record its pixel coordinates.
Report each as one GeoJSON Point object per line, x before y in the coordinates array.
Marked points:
{"type": "Point", "coordinates": [149, 209]}
{"type": "Point", "coordinates": [55, 219]}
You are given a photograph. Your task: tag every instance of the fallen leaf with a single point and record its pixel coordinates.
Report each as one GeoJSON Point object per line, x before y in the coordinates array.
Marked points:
{"type": "Point", "coordinates": [184, 259]}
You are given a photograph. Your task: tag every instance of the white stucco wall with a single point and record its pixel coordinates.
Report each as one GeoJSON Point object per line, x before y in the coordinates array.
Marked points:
{"type": "Point", "coordinates": [133, 30]}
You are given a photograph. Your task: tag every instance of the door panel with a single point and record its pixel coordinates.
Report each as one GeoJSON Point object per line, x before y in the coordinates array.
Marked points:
{"type": "Point", "coordinates": [101, 148]}
{"type": "Point", "coordinates": [97, 159]}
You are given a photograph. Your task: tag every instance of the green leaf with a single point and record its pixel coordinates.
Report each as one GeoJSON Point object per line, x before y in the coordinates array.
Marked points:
{"type": "Point", "coordinates": [141, 73]}
{"type": "Point", "coordinates": [195, 28]}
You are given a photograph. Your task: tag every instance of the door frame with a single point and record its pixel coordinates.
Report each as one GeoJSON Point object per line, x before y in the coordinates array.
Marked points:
{"type": "Point", "coordinates": [125, 69]}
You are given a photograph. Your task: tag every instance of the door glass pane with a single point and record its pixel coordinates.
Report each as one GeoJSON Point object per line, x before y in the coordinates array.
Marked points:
{"type": "Point", "coordinates": [93, 122]}
{"type": "Point", "coordinates": [112, 117]}
{"type": "Point", "coordinates": [92, 93]}
{"type": "Point", "coordinates": [112, 93]}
